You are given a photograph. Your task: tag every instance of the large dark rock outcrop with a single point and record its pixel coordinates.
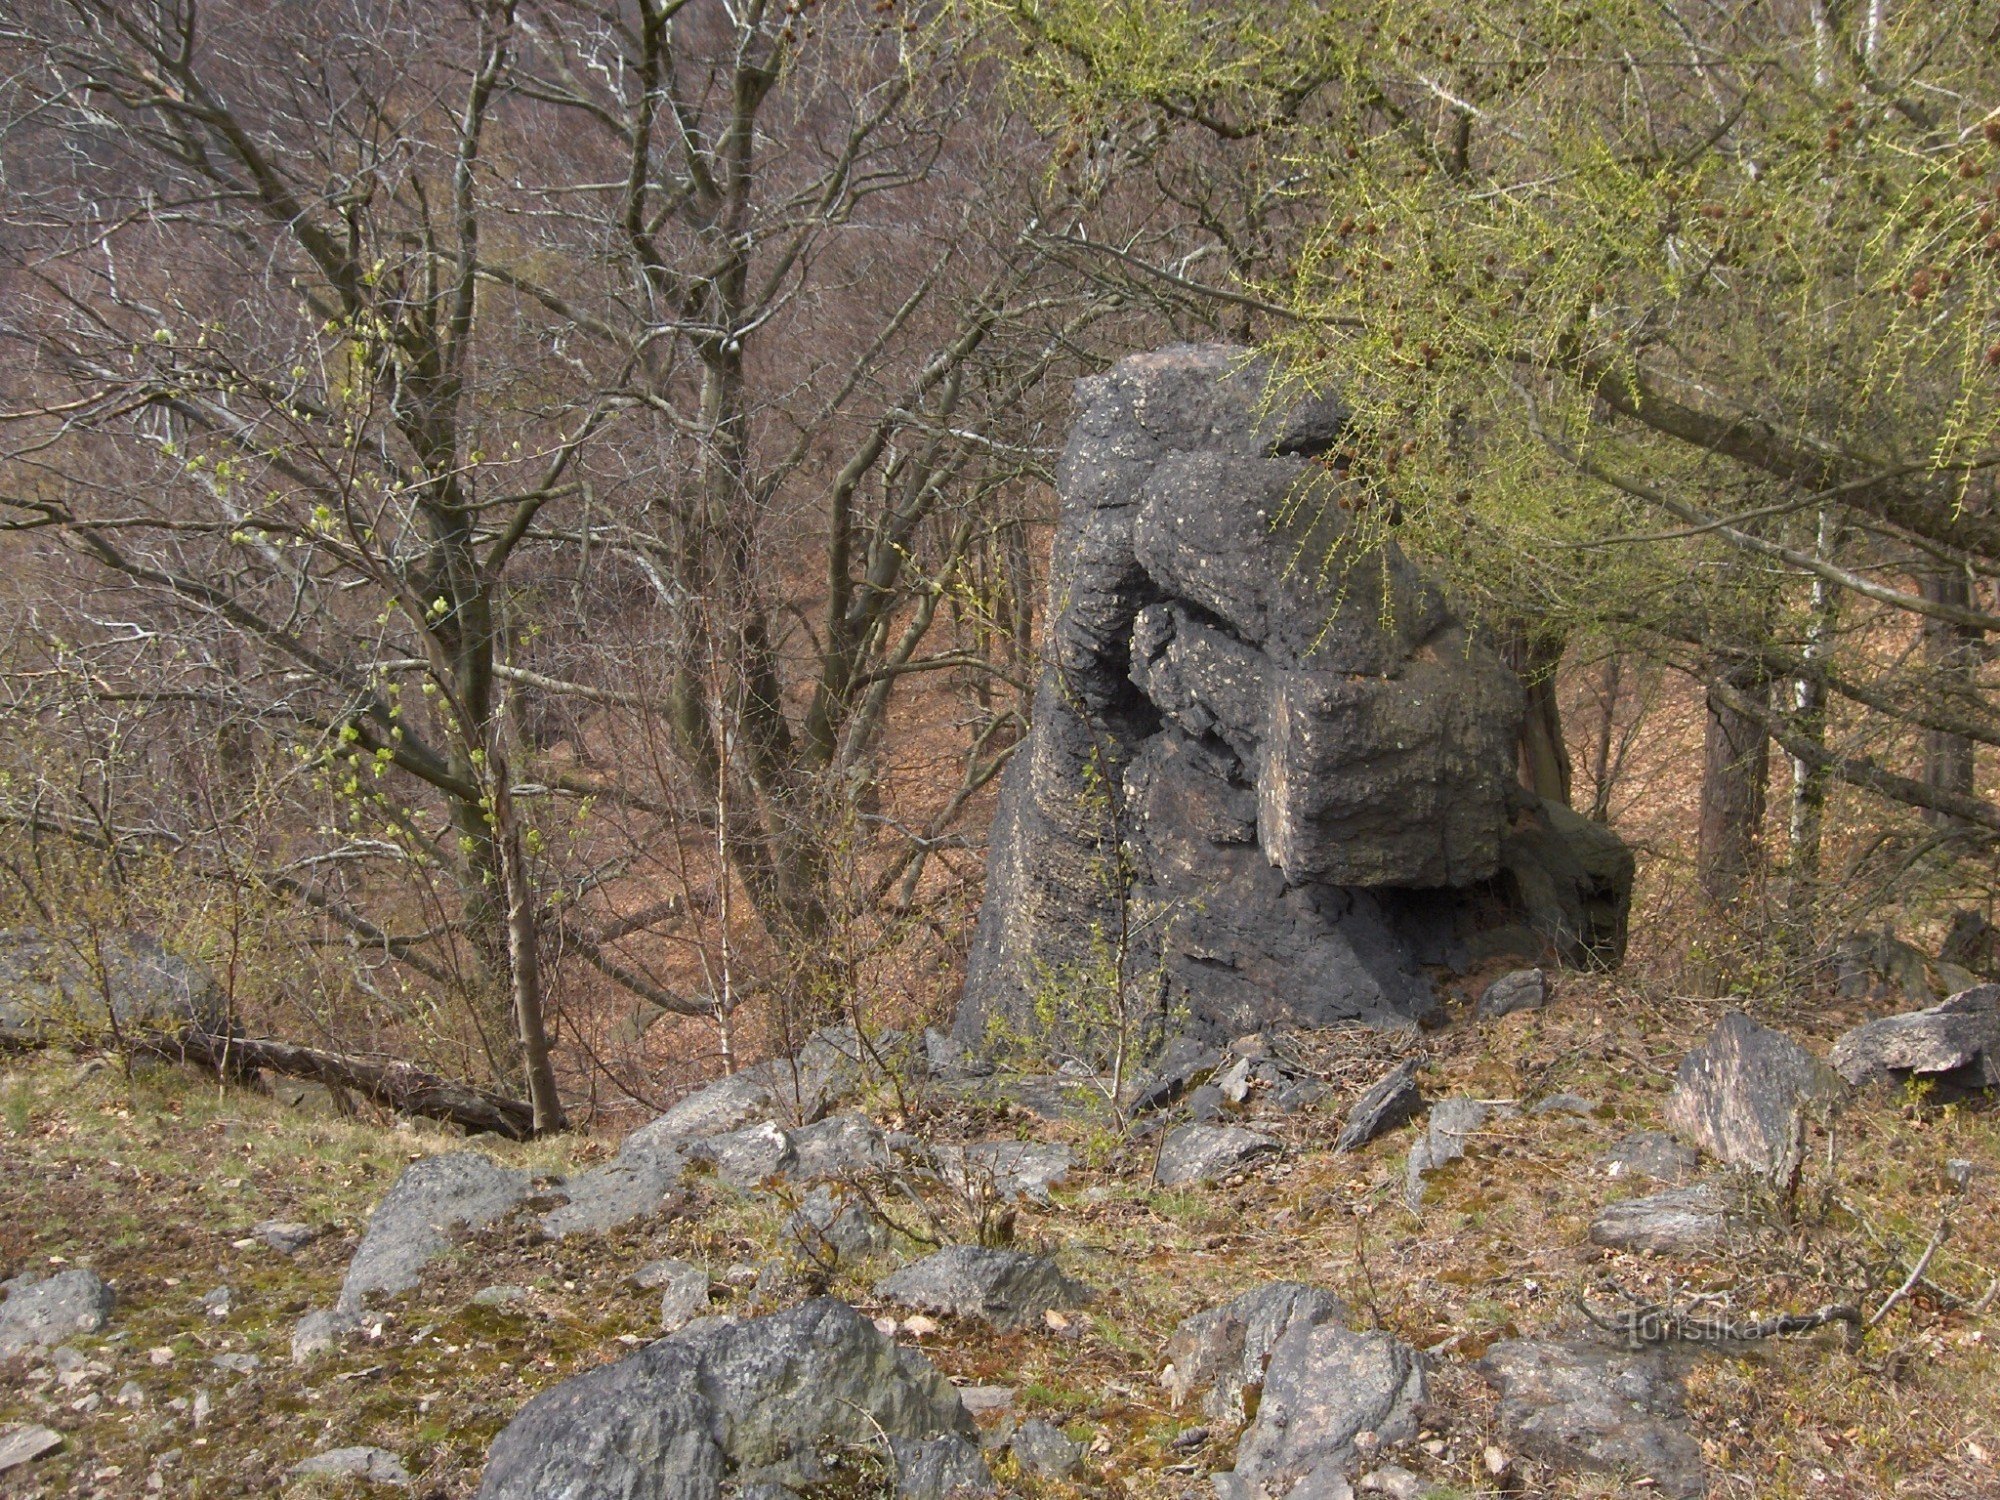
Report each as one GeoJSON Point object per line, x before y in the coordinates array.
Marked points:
{"type": "Point", "coordinates": [1270, 778]}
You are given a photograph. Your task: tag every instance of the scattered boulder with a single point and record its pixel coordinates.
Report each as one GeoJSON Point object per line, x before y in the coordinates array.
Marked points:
{"type": "Point", "coordinates": [24, 1442]}
{"type": "Point", "coordinates": [283, 1236]}
{"type": "Point", "coordinates": [1310, 772]}
{"type": "Point", "coordinates": [1957, 1042]}
{"type": "Point", "coordinates": [1564, 1104]}
{"type": "Point", "coordinates": [1325, 1385]}
{"type": "Point", "coordinates": [1182, 1067]}
{"type": "Point", "coordinates": [1744, 1096]}
{"type": "Point", "coordinates": [1451, 1124]}
{"type": "Point", "coordinates": [41, 1314]}
{"type": "Point", "coordinates": [88, 986]}
{"type": "Point", "coordinates": [1007, 1288]}
{"type": "Point", "coordinates": [986, 1403]}
{"type": "Point", "coordinates": [838, 1146]}
{"type": "Point", "coordinates": [640, 1185]}
{"type": "Point", "coordinates": [1651, 1153]}
{"type": "Point", "coordinates": [370, 1465]}
{"type": "Point", "coordinates": [321, 1332]}
{"type": "Point", "coordinates": [747, 1158]}
{"type": "Point", "coordinates": [754, 1402]}
{"type": "Point", "coordinates": [413, 1224]}
{"type": "Point", "coordinates": [1881, 966]}
{"type": "Point", "coordinates": [410, 1228]}
{"type": "Point", "coordinates": [500, 1296]}
{"type": "Point", "coordinates": [1040, 1447]}
{"type": "Point", "coordinates": [829, 1229]}
{"type": "Point", "coordinates": [727, 1104]}
{"type": "Point", "coordinates": [1194, 1154]}
{"type": "Point", "coordinates": [1391, 1101]}
{"type": "Point", "coordinates": [1680, 1221]}
{"type": "Point", "coordinates": [1224, 1351]}
{"type": "Point", "coordinates": [1522, 989]}
{"type": "Point", "coordinates": [933, 1468]}
{"type": "Point", "coordinates": [683, 1292]}
{"type": "Point", "coordinates": [1006, 1169]}
{"type": "Point", "coordinates": [1577, 1406]}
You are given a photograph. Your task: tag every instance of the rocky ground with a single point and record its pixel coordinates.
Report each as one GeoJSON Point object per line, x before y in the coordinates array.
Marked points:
{"type": "Point", "coordinates": [1528, 1282]}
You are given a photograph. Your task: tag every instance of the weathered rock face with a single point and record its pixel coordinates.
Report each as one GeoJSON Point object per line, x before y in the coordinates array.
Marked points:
{"type": "Point", "coordinates": [751, 1402]}
{"type": "Point", "coordinates": [1287, 783]}
{"type": "Point", "coordinates": [82, 986]}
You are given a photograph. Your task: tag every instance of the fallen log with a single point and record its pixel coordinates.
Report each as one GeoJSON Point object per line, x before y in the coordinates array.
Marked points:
{"type": "Point", "coordinates": [400, 1086]}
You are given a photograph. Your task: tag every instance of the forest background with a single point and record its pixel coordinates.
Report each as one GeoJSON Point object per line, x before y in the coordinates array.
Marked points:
{"type": "Point", "coordinates": [524, 520]}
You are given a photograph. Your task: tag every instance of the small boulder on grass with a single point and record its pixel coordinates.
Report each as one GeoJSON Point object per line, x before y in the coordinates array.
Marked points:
{"type": "Point", "coordinates": [1007, 1288]}
{"type": "Point", "coordinates": [1956, 1042]}
{"type": "Point", "coordinates": [1195, 1154]}
{"type": "Point", "coordinates": [41, 1314]}
{"type": "Point", "coordinates": [1745, 1095]}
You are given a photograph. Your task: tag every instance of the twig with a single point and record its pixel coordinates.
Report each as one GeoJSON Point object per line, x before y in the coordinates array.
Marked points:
{"type": "Point", "coordinates": [1916, 1272]}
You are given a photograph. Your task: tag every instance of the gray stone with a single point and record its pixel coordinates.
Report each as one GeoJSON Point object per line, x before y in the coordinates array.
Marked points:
{"type": "Point", "coordinates": [839, 1146]}
{"type": "Point", "coordinates": [321, 1332]}
{"type": "Point", "coordinates": [24, 1442]}
{"type": "Point", "coordinates": [1522, 989]}
{"type": "Point", "coordinates": [1881, 966]}
{"type": "Point", "coordinates": [932, 1468]}
{"type": "Point", "coordinates": [1325, 1385]}
{"type": "Point", "coordinates": [1007, 1288]}
{"type": "Point", "coordinates": [639, 1185]}
{"type": "Point", "coordinates": [1651, 1153]}
{"type": "Point", "coordinates": [238, 1364]}
{"type": "Point", "coordinates": [1201, 1153]}
{"type": "Point", "coordinates": [1395, 1481]}
{"type": "Point", "coordinates": [683, 1292]}
{"type": "Point", "coordinates": [370, 1465]}
{"type": "Point", "coordinates": [1312, 772]}
{"type": "Point", "coordinates": [1224, 1351]}
{"type": "Point", "coordinates": [1005, 1169]}
{"type": "Point", "coordinates": [1745, 1094]}
{"type": "Point", "coordinates": [830, 1230]}
{"type": "Point", "coordinates": [1957, 1042]}
{"type": "Point", "coordinates": [41, 1314]}
{"type": "Point", "coordinates": [1452, 1123]}
{"type": "Point", "coordinates": [725, 1105]}
{"type": "Point", "coordinates": [1680, 1221]}
{"type": "Point", "coordinates": [1391, 1101]}
{"type": "Point", "coordinates": [284, 1236]}
{"type": "Point", "coordinates": [89, 986]}
{"type": "Point", "coordinates": [987, 1403]}
{"type": "Point", "coordinates": [1564, 1104]}
{"type": "Point", "coordinates": [747, 1158]}
{"type": "Point", "coordinates": [218, 1303]}
{"type": "Point", "coordinates": [1185, 1064]}
{"type": "Point", "coordinates": [499, 1296]}
{"type": "Point", "coordinates": [751, 1401]}
{"type": "Point", "coordinates": [1040, 1447]}
{"type": "Point", "coordinates": [415, 1221]}
{"type": "Point", "coordinates": [1577, 1406]}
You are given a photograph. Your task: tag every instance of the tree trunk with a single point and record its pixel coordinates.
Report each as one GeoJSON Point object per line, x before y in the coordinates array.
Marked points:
{"type": "Point", "coordinates": [524, 961]}
{"type": "Point", "coordinates": [1810, 779]}
{"type": "Point", "coordinates": [1736, 767]}
{"type": "Point", "coordinates": [1543, 755]}
{"type": "Point", "coordinates": [1951, 651]}
{"type": "Point", "coordinates": [1601, 764]}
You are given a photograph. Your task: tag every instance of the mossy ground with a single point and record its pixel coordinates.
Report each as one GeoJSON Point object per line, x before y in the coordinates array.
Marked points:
{"type": "Point", "coordinates": [155, 1180]}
